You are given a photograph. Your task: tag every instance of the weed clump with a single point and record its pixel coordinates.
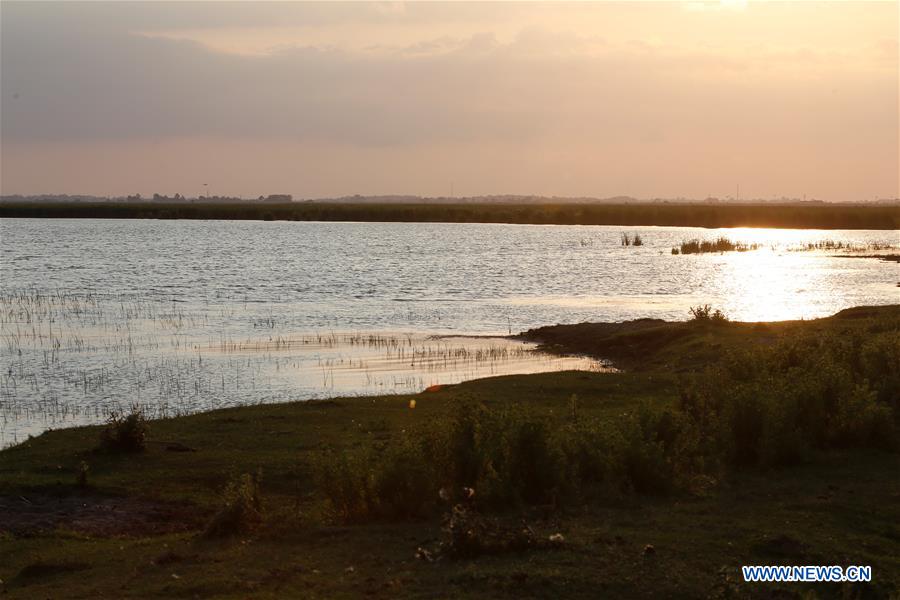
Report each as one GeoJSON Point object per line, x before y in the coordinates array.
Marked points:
{"type": "Point", "coordinates": [125, 433]}
{"type": "Point", "coordinates": [705, 313]}
{"type": "Point", "coordinates": [81, 474]}
{"type": "Point", "coordinates": [241, 510]}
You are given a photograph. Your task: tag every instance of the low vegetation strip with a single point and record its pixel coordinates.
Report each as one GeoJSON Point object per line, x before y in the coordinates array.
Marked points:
{"type": "Point", "coordinates": [814, 216]}
{"type": "Point", "coordinates": [759, 406]}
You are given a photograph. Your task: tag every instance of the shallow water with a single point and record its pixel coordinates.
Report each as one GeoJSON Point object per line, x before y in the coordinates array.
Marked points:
{"type": "Point", "coordinates": [181, 316]}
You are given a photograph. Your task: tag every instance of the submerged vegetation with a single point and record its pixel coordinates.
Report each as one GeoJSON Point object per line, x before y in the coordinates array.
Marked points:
{"type": "Point", "coordinates": [72, 358]}
{"type": "Point", "coordinates": [809, 216]}
{"type": "Point", "coordinates": [724, 244]}
{"type": "Point", "coordinates": [724, 444]}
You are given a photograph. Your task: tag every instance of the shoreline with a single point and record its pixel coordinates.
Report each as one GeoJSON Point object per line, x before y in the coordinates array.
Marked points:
{"type": "Point", "coordinates": [308, 366]}
{"type": "Point", "coordinates": [710, 216]}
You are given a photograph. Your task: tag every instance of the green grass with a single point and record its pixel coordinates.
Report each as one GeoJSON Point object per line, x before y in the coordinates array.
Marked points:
{"type": "Point", "coordinates": [840, 505]}
{"type": "Point", "coordinates": [823, 216]}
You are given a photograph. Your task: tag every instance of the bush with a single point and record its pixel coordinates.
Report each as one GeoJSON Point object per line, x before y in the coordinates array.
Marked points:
{"type": "Point", "coordinates": [348, 483]}
{"type": "Point", "coordinates": [81, 474]}
{"type": "Point", "coordinates": [534, 469]}
{"type": "Point", "coordinates": [773, 406]}
{"type": "Point", "coordinates": [645, 462]}
{"type": "Point", "coordinates": [861, 420]}
{"type": "Point", "coordinates": [125, 433]}
{"type": "Point", "coordinates": [406, 484]}
{"type": "Point", "coordinates": [498, 459]}
{"type": "Point", "coordinates": [241, 511]}
{"type": "Point", "coordinates": [879, 361]}
{"type": "Point", "coordinates": [705, 313]}
{"type": "Point", "coordinates": [588, 459]}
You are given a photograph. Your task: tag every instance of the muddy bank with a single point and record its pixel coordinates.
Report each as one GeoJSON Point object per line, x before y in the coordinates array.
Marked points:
{"type": "Point", "coordinates": [94, 515]}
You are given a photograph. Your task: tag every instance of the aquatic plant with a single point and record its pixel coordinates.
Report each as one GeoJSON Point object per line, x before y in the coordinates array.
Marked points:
{"type": "Point", "coordinates": [721, 244]}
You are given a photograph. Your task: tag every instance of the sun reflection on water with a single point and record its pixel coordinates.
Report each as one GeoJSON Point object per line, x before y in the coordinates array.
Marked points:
{"type": "Point", "coordinates": [757, 286]}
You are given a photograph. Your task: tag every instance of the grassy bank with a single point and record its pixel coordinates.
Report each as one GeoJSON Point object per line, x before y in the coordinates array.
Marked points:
{"type": "Point", "coordinates": [813, 216]}
{"type": "Point", "coordinates": [491, 482]}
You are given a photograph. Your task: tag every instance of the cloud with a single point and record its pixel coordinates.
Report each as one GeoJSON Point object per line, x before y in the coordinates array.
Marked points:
{"type": "Point", "coordinates": [520, 80]}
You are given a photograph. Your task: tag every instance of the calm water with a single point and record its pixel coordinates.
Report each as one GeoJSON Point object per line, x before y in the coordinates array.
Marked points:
{"type": "Point", "coordinates": [182, 316]}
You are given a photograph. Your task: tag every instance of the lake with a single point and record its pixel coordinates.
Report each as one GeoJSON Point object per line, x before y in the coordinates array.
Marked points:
{"type": "Point", "coordinates": [181, 316]}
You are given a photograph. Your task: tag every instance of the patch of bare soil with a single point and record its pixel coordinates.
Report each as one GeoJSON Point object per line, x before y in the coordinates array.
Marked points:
{"type": "Point", "coordinates": [95, 515]}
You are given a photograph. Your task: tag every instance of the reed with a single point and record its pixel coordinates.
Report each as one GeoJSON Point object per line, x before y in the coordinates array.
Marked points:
{"type": "Point", "coordinates": [721, 244]}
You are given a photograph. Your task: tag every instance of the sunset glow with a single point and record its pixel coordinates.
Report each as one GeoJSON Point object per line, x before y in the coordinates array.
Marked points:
{"type": "Point", "coordinates": [570, 99]}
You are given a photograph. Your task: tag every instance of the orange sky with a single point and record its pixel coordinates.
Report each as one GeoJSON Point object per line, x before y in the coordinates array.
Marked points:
{"type": "Point", "coordinates": [643, 99]}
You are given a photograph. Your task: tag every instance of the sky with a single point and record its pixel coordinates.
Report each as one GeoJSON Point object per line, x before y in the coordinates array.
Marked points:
{"type": "Point", "coordinates": [646, 99]}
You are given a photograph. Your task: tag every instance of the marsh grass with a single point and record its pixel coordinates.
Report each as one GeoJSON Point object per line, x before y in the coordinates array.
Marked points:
{"type": "Point", "coordinates": [721, 244]}
{"type": "Point", "coordinates": [632, 239]}
{"type": "Point", "coordinates": [173, 358]}
{"type": "Point", "coordinates": [724, 244]}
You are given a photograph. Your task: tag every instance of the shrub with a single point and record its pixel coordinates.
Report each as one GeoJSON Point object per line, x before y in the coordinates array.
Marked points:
{"type": "Point", "coordinates": [534, 467]}
{"type": "Point", "coordinates": [406, 484]}
{"type": "Point", "coordinates": [879, 361]}
{"type": "Point", "coordinates": [705, 313]}
{"type": "Point", "coordinates": [125, 433]}
{"type": "Point", "coordinates": [588, 459]}
{"type": "Point", "coordinates": [348, 483]}
{"type": "Point", "coordinates": [774, 405]}
{"type": "Point", "coordinates": [861, 420]}
{"type": "Point", "coordinates": [81, 474]}
{"type": "Point", "coordinates": [467, 459]}
{"type": "Point", "coordinates": [645, 462]}
{"type": "Point", "coordinates": [241, 511]}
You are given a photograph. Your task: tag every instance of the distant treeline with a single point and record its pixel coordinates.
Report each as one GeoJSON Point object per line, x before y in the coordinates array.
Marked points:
{"type": "Point", "coordinates": [811, 216]}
